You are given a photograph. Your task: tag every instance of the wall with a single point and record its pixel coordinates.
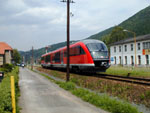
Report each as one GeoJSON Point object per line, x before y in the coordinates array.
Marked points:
{"type": "Point", "coordinates": [1, 60]}
{"type": "Point", "coordinates": [7, 57]}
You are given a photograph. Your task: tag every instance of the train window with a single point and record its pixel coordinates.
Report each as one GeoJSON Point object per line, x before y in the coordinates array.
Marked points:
{"type": "Point", "coordinates": [47, 59]}
{"type": "Point", "coordinates": [65, 53]}
{"type": "Point", "coordinates": [81, 51]}
{"type": "Point", "coordinates": [96, 47]}
{"type": "Point", "coordinates": [78, 50]}
{"type": "Point", "coordinates": [42, 58]}
{"type": "Point", "coordinates": [56, 57]}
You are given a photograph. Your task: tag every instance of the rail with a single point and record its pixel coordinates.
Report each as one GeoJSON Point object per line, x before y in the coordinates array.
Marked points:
{"type": "Point", "coordinates": [135, 80]}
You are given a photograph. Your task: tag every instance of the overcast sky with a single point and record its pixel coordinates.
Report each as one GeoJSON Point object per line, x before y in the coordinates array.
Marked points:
{"type": "Point", "coordinates": [38, 23]}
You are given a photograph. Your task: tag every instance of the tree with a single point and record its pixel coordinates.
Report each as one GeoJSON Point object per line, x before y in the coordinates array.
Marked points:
{"type": "Point", "coordinates": [16, 56]}
{"type": "Point", "coordinates": [117, 34]}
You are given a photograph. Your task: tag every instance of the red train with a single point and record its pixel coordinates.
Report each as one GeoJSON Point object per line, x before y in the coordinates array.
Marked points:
{"type": "Point", "coordinates": [91, 55]}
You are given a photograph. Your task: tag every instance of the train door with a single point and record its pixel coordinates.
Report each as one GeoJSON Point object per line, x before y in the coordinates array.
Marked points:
{"type": "Point", "coordinates": [61, 57]}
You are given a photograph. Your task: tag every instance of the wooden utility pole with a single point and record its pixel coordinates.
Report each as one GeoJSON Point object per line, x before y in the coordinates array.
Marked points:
{"type": "Point", "coordinates": [32, 60]}
{"type": "Point", "coordinates": [68, 37]}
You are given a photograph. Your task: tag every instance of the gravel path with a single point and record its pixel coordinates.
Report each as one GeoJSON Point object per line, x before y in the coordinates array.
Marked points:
{"type": "Point", "coordinates": [39, 95]}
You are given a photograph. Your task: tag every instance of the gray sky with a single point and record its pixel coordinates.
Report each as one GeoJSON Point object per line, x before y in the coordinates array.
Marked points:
{"type": "Point", "coordinates": [38, 23]}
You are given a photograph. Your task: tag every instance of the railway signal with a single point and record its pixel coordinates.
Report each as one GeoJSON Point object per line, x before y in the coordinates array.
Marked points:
{"type": "Point", "coordinates": [68, 37]}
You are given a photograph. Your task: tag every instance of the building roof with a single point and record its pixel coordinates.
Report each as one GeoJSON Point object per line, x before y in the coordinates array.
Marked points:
{"type": "Point", "coordinates": [129, 40]}
{"type": "Point", "coordinates": [4, 46]}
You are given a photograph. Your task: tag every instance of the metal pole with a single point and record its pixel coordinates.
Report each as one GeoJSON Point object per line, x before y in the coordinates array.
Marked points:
{"type": "Point", "coordinates": [135, 48]}
{"type": "Point", "coordinates": [122, 54]}
{"type": "Point", "coordinates": [135, 64]}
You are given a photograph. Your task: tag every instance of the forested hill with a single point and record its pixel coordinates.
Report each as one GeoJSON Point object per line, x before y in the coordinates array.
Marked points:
{"type": "Point", "coordinates": [139, 23]}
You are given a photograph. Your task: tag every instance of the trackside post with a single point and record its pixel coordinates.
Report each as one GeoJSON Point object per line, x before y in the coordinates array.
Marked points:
{"type": "Point", "coordinates": [13, 94]}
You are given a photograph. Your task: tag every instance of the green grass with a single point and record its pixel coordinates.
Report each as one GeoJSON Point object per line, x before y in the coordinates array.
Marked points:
{"type": "Point", "coordinates": [5, 92]}
{"type": "Point", "coordinates": [102, 101]}
{"type": "Point", "coordinates": [105, 102]}
{"type": "Point", "coordinates": [137, 72]}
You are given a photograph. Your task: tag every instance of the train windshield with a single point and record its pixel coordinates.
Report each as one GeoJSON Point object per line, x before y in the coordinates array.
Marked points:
{"type": "Point", "coordinates": [98, 50]}
{"type": "Point", "coordinates": [96, 47]}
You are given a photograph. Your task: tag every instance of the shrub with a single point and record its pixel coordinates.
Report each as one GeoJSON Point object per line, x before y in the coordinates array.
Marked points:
{"type": "Point", "coordinates": [7, 68]}
{"type": "Point", "coordinates": [5, 92]}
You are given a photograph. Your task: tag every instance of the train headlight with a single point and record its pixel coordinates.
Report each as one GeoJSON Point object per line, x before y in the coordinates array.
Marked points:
{"type": "Point", "coordinates": [101, 56]}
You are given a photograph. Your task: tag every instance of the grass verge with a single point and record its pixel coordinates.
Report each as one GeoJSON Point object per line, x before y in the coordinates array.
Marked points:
{"type": "Point", "coordinates": [5, 92]}
{"type": "Point", "coordinates": [134, 71]}
{"type": "Point", "coordinates": [102, 101]}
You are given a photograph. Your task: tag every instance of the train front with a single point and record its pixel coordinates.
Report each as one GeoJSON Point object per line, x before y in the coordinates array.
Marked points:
{"type": "Point", "coordinates": [99, 53]}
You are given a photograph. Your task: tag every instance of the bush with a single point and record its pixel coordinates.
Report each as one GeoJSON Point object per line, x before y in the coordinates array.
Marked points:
{"type": "Point", "coordinates": [5, 92]}
{"type": "Point", "coordinates": [7, 68]}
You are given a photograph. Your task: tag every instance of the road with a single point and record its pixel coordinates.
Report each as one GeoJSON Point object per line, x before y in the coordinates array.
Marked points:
{"type": "Point", "coordinates": [39, 95]}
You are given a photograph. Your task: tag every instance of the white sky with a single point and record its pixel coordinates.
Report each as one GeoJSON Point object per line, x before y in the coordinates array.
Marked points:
{"type": "Point", "coordinates": [38, 23]}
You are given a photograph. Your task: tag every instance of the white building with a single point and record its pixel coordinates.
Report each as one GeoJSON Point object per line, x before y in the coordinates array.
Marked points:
{"type": "Point", "coordinates": [124, 52]}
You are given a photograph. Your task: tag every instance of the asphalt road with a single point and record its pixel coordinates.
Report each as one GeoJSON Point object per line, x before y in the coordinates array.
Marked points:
{"type": "Point", "coordinates": [39, 95]}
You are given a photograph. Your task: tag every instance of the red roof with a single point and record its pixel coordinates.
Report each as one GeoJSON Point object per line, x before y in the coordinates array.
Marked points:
{"type": "Point", "coordinates": [4, 46]}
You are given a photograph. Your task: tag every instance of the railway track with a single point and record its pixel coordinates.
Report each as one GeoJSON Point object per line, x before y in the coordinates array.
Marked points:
{"type": "Point", "coordinates": [134, 80]}
{"type": "Point", "coordinates": [128, 79]}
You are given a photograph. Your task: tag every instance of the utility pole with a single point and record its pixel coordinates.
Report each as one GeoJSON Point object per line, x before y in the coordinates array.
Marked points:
{"type": "Point", "coordinates": [32, 60]}
{"type": "Point", "coordinates": [68, 37]}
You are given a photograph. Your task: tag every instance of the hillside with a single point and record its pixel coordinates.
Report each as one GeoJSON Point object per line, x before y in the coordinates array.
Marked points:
{"type": "Point", "coordinates": [139, 23]}
{"type": "Point", "coordinates": [38, 52]}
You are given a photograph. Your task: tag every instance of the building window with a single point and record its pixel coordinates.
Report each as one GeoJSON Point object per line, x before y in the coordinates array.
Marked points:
{"type": "Point", "coordinates": [131, 47]}
{"type": "Point", "coordinates": [132, 61]}
{"type": "Point", "coordinates": [139, 46]}
{"type": "Point", "coordinates": [143, 45]}
{"type": "Point", "coordinates": [119, 48]}
{"type": "Point", "coordinates": [126, 60]}
{"type": "Point", "coordinates": [139, 59]}
{"type": "Point", "coordinates": [114, 49]}
{"type": "Point", "coordinates": [147, 60]}
{"type": "Point", "coordinates": [119, 59]}
{"type": "Point", "coordinates": [125, 47]}
{"type": "Point", "coordinates": [115, 59]}
{"type": "Point", "coordinates": [146, 45]}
